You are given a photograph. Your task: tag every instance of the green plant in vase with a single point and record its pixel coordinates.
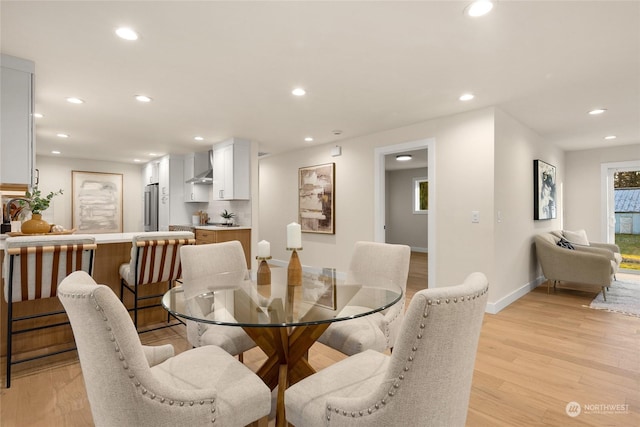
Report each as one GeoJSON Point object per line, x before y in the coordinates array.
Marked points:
{"type": "Point", "coordinates": [228, 216]}
{"type": "Point", "coordinates": [37, 204]}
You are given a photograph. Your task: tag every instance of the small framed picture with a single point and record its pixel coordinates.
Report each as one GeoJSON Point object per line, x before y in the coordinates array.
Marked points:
{"type": "Point", "coordinates": [545, 203]}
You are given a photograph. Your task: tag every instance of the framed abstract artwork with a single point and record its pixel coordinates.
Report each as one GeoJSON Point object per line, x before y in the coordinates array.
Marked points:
{"type": "Point", "coordinates": [321, 289]}
{"type": "Point", "coordinates": [545, 202]}
{"type": "Point", "coordinates": [96, 202]}
{"type": "Point", "coordinates": [316, 207]}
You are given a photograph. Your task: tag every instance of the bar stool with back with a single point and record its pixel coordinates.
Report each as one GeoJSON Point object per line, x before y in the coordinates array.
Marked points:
{"type": "Point", "coordinates": [155, 258]}
{"type": "Point", "coordinates": [33, 268]}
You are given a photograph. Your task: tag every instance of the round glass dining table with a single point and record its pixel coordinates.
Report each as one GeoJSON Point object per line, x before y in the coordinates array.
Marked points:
{"type": "Point", "coordinates": [284, 321]}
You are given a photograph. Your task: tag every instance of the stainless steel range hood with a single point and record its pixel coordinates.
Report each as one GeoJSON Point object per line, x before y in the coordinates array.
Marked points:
{"type": "Point", "coordinates": [206, 176]}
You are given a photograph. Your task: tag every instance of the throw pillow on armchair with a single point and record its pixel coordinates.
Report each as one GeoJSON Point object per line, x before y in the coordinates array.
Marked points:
{"type": "Point", "coordinates": [576, 237]}
{"type": "Point", "coordinates": [563, 243]}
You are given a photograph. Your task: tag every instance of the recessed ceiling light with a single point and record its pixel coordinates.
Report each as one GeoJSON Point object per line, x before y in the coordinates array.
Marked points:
{"type": "Point", "coordinates": [466, 97]}
{"type": "Point", "coordinates": [143, 98]}
{"type": "Point", "coordinates": [308, 139]}
{"type": "Point", "coordinates": [55, 152]}
{"type": "Point", "coordinates": [127, 33]}
{"type": "Point", "coordinates": [198, 138]}
{"type": "Point", "coordinates": [597, 111]}
{"type": "Point", "coordinates": [299, 91]}
{"type": "Point", "coordinates": [610, 137]}
{"type": "Point", "coordinates": [137, 160]}
{"type": "Point", "coordinates": [75, 100]}
{"type": "Point", "coordinates": [479, 8]}
{"type": "Point", "coordinates": [403, 157]}
{"type": "Point", "coordinates": [62, 135]}
{"type": "Point", "coordinates": [38, 115]}
{"type": "Point", "coordinates": [153, 154]}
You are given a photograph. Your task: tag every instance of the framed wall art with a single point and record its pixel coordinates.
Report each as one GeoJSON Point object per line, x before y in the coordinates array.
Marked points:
{"type": "Point", "coordinates": [316, 207]}
{"type": "Point", "coordinates": [96, 201]}
{"type": "Point", "coordinates": [545, 202]}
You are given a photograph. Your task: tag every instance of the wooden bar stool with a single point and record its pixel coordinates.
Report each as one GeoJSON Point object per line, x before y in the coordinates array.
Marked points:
{"type": "Point", "coordinates": [155, 258]}
{"type": "Point", "coordinates": [33, 268]}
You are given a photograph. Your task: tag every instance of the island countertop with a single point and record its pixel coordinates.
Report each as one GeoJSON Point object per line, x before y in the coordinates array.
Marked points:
{"type": "Point", "coordinates": [103, 238]}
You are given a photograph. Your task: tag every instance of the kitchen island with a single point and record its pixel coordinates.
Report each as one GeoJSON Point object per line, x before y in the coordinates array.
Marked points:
{"type": "Point", "coordinates": [113, 250]}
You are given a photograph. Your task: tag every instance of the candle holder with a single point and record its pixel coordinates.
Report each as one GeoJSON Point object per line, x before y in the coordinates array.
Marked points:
{"type": "Point", "coordinates": [264, 272]}
{"type": "Point", "coordinates": [294, 271]}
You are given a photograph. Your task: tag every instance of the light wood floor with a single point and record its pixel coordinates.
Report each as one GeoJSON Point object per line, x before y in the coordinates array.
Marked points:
{"type": "Point", "coordinates": [534, 357]}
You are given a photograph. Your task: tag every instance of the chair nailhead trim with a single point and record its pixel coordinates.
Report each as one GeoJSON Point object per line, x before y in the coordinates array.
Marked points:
{"type": "Point", "coordinates": [414, 348]}
{"type": "Point", "coordinates": [122, 359]}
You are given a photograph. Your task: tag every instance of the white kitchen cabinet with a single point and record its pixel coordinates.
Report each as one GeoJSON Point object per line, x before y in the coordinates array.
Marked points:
{"type": "Point", "coordinates": [151, 172]}
{"type": "Point", "coordinates": [231, 170]}
{"type": "Point", "coordinates": [171, 207]}
{"type": "Point", "coordinates": [17, 157]}
{"type": "Point", "coordinates": [193, 165]}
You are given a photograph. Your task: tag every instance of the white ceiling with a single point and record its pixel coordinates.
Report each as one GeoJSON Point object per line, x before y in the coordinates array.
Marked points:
{"type": "Point", "coordinates": [418, 160]}
{"type": "Point", "coordinates": [223, 69]}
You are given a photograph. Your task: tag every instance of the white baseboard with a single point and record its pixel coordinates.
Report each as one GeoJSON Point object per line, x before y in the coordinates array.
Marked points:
{"type": "Point", "coordinates": [495, 307]}
{"type": "Point", "coordinates": [419, 249]}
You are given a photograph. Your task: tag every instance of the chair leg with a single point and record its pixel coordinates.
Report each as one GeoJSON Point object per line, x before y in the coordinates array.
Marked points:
{"type": "Point", "coordinates": [169, 314]}
{"type": "Point", "coordinates": [241, 357]}
{"type": "Point", "coordinates": [604, 293]}
{"type": "Point", "coordinates": [135, 305]}
{"type": "Point", "coordinates": [9, 334]}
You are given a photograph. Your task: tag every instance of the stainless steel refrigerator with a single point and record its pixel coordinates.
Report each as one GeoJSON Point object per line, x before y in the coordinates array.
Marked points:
{"type": "Point", "coordinates": [151, 207]}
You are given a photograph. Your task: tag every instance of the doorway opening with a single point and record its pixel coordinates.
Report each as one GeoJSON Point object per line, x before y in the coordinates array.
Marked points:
{"type": "Point", "coordinates": [389, 206]}
{"type": "Point", "coordinates": [621, 210]}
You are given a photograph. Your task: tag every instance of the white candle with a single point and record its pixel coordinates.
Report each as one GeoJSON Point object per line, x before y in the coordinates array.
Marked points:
{"type": "Point", "coordinates": [264, 249]}
{"type": "Point", "coordinates": [294, 236]}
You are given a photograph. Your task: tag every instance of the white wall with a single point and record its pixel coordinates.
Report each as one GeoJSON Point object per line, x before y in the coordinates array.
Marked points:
{"type": "Point", "coordinates": [55, 174]}
{"type": "Point", "coordinates": [465, 165]}
{"type": "Point", "coordinates": [516, 148]}
{"type": "Point", "coordinates": [402, 225]}
{"type": "Point", "coordinates": [583, 187]}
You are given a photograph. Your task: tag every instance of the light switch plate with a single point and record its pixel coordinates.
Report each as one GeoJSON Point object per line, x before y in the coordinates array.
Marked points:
{"type": "Point", "coordinates": [475, 216]}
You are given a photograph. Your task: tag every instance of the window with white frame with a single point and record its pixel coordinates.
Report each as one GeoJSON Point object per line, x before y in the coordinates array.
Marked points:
{"type": "Point", "coordinates": [420, 195]}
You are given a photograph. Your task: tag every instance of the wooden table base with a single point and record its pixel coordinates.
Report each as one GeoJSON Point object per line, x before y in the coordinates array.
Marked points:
{"type": "Point", "coordinates": [286, 364]}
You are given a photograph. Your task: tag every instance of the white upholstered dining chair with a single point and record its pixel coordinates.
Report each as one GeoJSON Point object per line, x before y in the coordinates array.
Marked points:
{"type": "Point", "coordinates": [129, 384]}
{"type": "Point", "coordinates": [372, 265]}
{"type": "Point", "coordinates": [425, 382]}
{"type": "Point", "coordinates": [202, 265]}
{"type": "Point", "coordinates": [155, 258]}
{"type": "Point", "coordinates": [33, 268]}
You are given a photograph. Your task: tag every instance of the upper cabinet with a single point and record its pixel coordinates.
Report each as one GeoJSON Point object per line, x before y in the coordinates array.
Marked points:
{"type": "Point", "coordinates": [171, 209]}
{"type": "Point", "coordinates": [194, 164]}
{"type": "Point", "coordinates": [17, 155]}
{"type": "Point", "coordinates": [231, 170]}
{"type": "Point", "coordinates": [151, 172]}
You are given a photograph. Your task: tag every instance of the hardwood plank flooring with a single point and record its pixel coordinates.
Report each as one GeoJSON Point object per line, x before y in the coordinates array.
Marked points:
{"type": "Point", "coordinates": [534, 357]}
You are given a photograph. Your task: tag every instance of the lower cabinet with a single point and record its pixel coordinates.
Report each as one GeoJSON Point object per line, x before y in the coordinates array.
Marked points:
{"type": "Point", "coordinates": [204, 236]}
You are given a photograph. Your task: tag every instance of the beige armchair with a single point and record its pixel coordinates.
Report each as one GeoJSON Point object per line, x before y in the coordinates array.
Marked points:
{"type": "Point", "coordinates": [129, 384]}
{"type": "Point", "coordinates": [425, 382]}
{"type": "Point", "coordinates": [595, 264]}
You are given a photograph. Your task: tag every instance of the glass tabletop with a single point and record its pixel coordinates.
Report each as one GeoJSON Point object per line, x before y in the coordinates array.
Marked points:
{"type": "Point", "coordinates": [234, 299]}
